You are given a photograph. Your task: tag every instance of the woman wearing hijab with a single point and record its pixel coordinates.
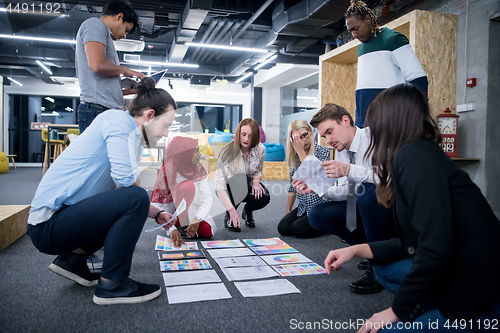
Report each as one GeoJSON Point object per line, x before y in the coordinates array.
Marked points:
{"type": "Point", "coordinates": [183, 177]}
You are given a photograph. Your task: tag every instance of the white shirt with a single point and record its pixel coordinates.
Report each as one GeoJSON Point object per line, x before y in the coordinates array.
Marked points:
{"type": "Point", "coordinates": [200, 206]}
{"type": "Point", "coordinates": [360, 172]}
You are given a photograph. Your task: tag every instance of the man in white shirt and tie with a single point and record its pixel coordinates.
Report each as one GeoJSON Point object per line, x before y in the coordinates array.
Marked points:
{"type": "Point", "coordinates": [352, 211]}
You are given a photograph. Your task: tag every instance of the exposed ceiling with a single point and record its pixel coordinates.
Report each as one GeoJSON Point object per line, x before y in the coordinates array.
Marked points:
{"type": "Point", "coordinates": [296, 30]}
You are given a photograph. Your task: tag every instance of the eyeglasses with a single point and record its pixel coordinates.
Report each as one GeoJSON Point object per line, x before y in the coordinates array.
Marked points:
{"type": "Point", "coordinates": [303, 136]}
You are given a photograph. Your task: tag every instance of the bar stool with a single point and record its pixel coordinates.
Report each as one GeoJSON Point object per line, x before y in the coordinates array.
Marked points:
{"type": "Point", "coordinates": [58, 148]}
{"type": "Point", "coordinates": [74, 131]}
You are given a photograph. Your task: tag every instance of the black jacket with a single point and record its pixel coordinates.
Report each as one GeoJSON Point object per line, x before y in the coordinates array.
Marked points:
{"type": "Point", "coordinates": [448, 229]}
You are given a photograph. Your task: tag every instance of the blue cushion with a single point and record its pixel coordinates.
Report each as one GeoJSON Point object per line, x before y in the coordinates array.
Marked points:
{"type": "Point", "coordinates": [219, 137]}
{"type": "Point", "coordinates": [275, 152]}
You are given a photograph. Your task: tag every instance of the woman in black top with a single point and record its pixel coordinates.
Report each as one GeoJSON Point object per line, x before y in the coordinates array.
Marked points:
{"type": "Point", "coordinates": [445, 224]}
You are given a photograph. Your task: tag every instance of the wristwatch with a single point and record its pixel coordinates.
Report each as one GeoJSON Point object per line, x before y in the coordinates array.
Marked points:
{"type": "Point", "coordinates": [158, 215]}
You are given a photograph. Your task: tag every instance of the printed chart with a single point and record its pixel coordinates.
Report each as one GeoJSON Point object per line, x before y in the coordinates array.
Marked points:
{"type": "Point", "coordinates": [222, 244]}
{"type": "Point", "coordinates": [165, 244]}
{"type": "Point", "coordinates": [280, 259]}
{"type": "Point", "coordinates": [184, 254]}
{"type": "Point", "coordinates": [184, 265]}
{"type": "Point", "coordinates": [273, 249]}
{"type": "Point", "coordinates": [299, 269]}
{"type": "Point", "coordinates": [264, 242]}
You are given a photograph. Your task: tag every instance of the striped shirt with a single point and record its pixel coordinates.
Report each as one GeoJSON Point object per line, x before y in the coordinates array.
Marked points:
{"type": "Point", "coordinates": [385, 61]}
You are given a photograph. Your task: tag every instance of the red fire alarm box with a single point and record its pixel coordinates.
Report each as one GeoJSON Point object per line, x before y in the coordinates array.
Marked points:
{"type": "Point", "coordinates": [471, 82]}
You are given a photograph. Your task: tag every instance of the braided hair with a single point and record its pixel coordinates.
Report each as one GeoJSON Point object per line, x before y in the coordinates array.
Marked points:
{"type": "Point", "coordinates": [360, 10]}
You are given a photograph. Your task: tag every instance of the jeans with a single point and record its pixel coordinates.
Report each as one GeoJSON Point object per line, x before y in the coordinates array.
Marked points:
{"type": "Point", "coordinates": [114, 219]}
{"type": "Point", "coordinates": [392, 275]}
{"type": "Point", "coordinates": [433, 321]}
{"type": "Point", "coordinates": [373, 219]}
{"type": "Point", "coordinates": [86, 114]}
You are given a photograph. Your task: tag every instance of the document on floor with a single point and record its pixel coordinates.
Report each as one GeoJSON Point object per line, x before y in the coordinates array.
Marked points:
{"type": "Point", "coordinates": [222, 244]}
{"type": "Point", "coordinates": [184, 265]}
{"type": "Point", "coordinates": [182, 254]}
{"type": "Point", "coordinates": [299, 269]}
{"type": "Point", "coordinates": [264, 242]}
{"type": "Point", "coordinates": [266, 288]}
{"type": "Point", "coordinates": [191, 277]}
{"type": "Point", "coordinates": [311, 172]}
{"type": "Point", "coordinates": [248, 273]}
{"type": "Point", "coordinates": [233, 252]}
{"type": "Point", "coordinates": [197, 292]}
{"type": "Point", "coordinates": [240, 262]}
{"type": "Point", "coordinates": [275, 249]}
{"type": "Point", "coordinates": [166, 244]}
{"type": "Point", "coordinates": [280, 259]}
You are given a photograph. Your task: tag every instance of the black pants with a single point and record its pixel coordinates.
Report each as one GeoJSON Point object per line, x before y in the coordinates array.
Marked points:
{"type": "Point", "coordinates": [298, 226]}
{"type": "Point", "coordinates": [114, 219]}
{"type": "Point", "coordinates": [239, 189]}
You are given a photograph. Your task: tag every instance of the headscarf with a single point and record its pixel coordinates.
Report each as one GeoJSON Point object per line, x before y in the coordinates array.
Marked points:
{"type": "Point", "coordinates": [178, 157]}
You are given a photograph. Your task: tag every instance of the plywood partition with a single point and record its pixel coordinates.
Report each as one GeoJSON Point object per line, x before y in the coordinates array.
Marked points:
{"type": "Point", "coordinates": [433, 38]}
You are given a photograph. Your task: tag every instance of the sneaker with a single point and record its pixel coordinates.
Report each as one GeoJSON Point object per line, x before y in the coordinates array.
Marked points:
{"type": "Point", "coordinates": [73, 266]}
{"type": "Point", "coordinates": [94, 262]}
{"type": "Point", "coordinates": [126, 292]}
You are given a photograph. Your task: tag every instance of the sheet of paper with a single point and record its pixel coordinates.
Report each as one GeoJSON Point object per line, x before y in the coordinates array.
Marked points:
{"type": "Point", "coordinates": [248, 273]}
{"type": "Point", "coordinates": [311, 172]}
{"type": "Point", "coordinates": [240, 262]}
{"type": "Point", "coordinates": [197, 292]}
{"type": "Point", "coordinates": [191, 277]}
{"type": "Point", "coordinates": [266, 288]}
{"type": "Point", "coordinates": [182, 254]}
{"type": "Point", "coordinates": [222, 244]}
{"type": "Point", "coordinates": [264, 242]}
{"type": "Point", "coordinates": [234, 252]}
{"type": "Point", "coordinates": [299, 269]}
{"type": "Point", "coordinates": [274, 249]}
{"type": "Point", "coordinates": [280, 259]}
{"type": "Point", "coordinates": [184, 265]}
{"type": "Point", "coordinates": [166, 244]}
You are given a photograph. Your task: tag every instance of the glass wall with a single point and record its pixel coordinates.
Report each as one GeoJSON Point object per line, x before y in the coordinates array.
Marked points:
{"type": "Point", "coordinates": [206, 118]}
{"type": "Point", "coordinates": [26, 142]}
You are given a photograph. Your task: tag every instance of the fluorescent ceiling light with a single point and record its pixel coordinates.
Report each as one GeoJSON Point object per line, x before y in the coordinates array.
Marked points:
{"type": "Point", "coordinates": [43, 66]}
{"type": "Point", "coordinates": [69, 109]}
{"type": "Point", "coordinates": [149, 71]}
{"type": "Point", "coordinates": [227, 47]}
{"type": "Point", "coordinates": [39, 39]}
{"type": "Point", "coordinates": [306, 97]}
{"type": "Point", "coordinates": [265, 62]}
{"type": "Point", "coordinates": [53, 114]}
{"type": "Point", "coordinates": [163, 64]}
{"type": "Point", "coordinates": [16, 82]}
{"type": "Point", "coordinates": [50, 99]}
{"type": "Point", "coordinates": [244, 77]}
{"type": "Point", "coordinates": [228, 93]}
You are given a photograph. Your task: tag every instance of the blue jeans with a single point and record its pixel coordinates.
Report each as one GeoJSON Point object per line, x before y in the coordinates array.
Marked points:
{"type": "Point", "coordinates": [114, 219]}
{"type": "Point", "coordinates": [433, 321]}
{"type": "Point", "coordinates": [86, 114]}
{"type": "Point", "coordinates": [392, 275]}
{"type": "Point", "coordinates": [372, 220]}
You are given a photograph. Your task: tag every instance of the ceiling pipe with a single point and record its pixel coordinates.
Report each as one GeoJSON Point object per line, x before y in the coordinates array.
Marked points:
{"type": "Point", "coordinates": [253, 18]}
{"type": "Point", "coordinates": [211, 37]}
{"type": "Point", "coordinates": [219, 40]}
{"type": "Point", "coordinates": [209, 30]}
{"type": "Point", "coordinates": [228, 37]}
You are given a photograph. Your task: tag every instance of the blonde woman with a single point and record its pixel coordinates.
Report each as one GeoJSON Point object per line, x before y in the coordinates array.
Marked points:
{"type": "Point", "coordinates": [300, 144]}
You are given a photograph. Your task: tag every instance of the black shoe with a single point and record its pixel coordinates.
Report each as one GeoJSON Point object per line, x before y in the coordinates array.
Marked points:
{"type": "Point", "coordinates": [364, 265]}
{"type": "Point", "coordinates": [248, 217]}
{"type": "Point", "coordinates": [230, 227]}
{"type": "Point", "coordinates": [367, 284]}
{"type": "Point", "coordinates": [126, 292]}
{"type": "Point", "coordinates": [73, 266]}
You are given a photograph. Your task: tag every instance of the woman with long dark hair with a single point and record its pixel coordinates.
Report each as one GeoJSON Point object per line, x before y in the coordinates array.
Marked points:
{"type": "Point", "coordinates": [238, 175]}
{"type": "Point", "coordinates": [446, 226]}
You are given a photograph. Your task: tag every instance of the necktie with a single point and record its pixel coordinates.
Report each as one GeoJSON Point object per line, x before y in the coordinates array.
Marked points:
{"type": "Point", "coordinates": [351, 199]}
